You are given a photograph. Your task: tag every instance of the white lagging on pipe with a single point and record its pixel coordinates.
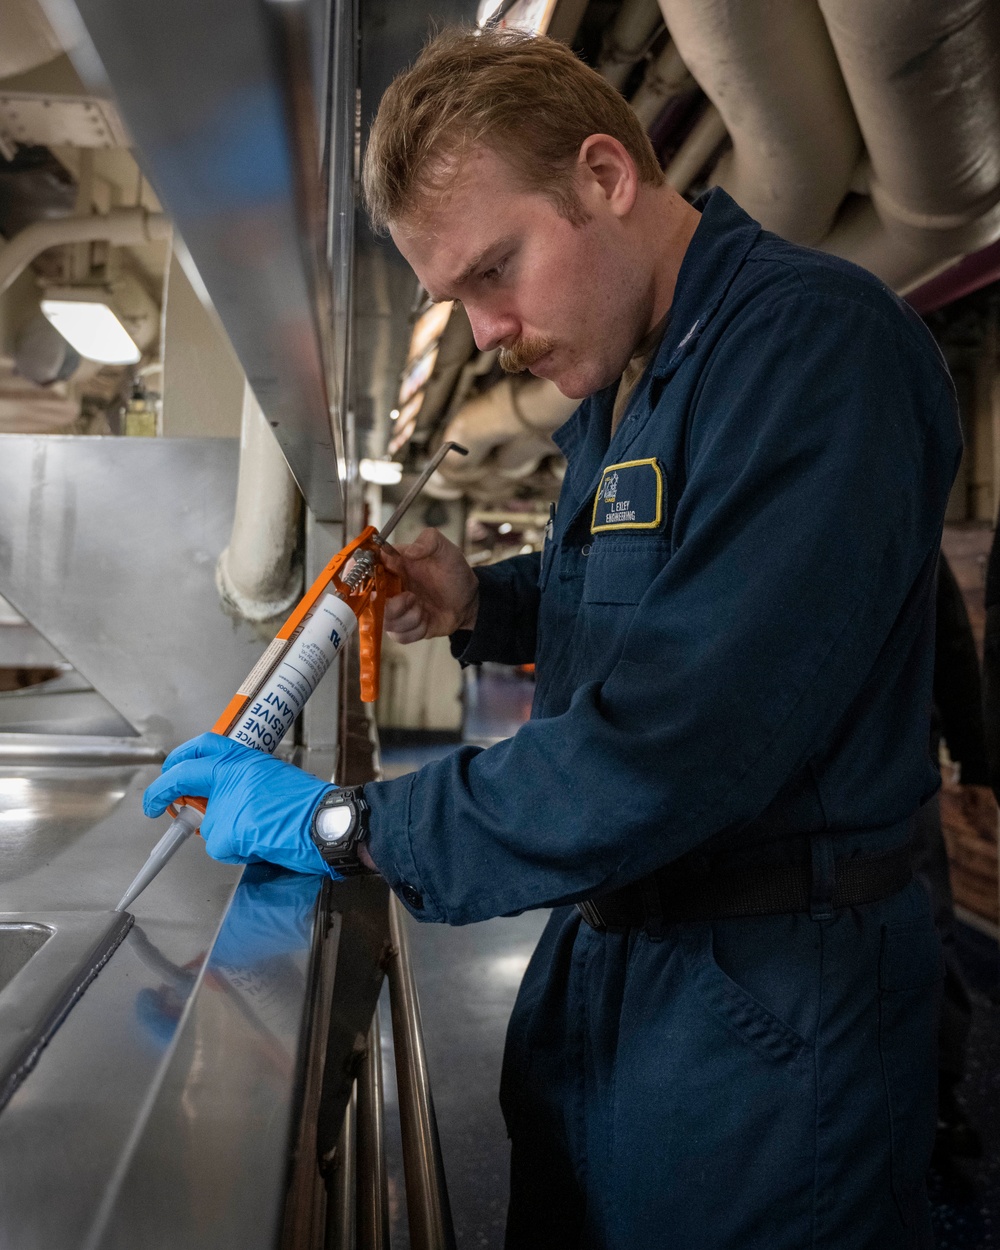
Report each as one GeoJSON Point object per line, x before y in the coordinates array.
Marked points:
{"type": "Point", "coordinates": [769, 68]}
{"type": "Point", "coordinates": [924, 80]}
{"type": "Point", "coordinates": [627, 39]}
{"type": "Point", "coordinates": [666, 78]}
{"type": "Point", "coordinates": [506, 430]}
{"type": "Point", "coordinates": [121, 227]}
{"type": "Point", "coordinates": [696, 150]}
{"type": "Point", "coordinates": [917, 84]}
{"type": "Point", "coordinates": [256, 574]}
{"type": "Point", "coordinates": [920, 84]}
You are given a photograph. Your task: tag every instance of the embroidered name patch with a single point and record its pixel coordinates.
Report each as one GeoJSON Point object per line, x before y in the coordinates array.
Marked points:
{"type": "Point", "coordinates": [630, 497]}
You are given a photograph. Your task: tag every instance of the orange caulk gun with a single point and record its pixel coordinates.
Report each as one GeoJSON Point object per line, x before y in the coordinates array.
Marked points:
{"type": "Point", "coordinates": [266, 705]}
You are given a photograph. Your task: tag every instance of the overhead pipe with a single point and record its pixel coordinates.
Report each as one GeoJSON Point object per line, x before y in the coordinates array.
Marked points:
{"type": "Point", "coordinates": [901, 259]}
{"type": "Point", "coordinates": [627, 40]}
{"type": "Point", "coordinates": [769, 69]}
{"type": "Point", "coordinates": [924, 79]}
{"type": "Point", "coordinates": [801, 93]}
{"type": "Point", "coordinates": [701, 144]}
{"type": "Point", "coordinates": [257, 574]}
{"type": "Point", "coordinates": [969, 275]}
{"type": "Point", "coordinates": [674, 123]}
{"type": "Point", "coordinates": [121, 227]}
{"type": "Point", "coordinates": [506, 430]}
{"type": "Point", "coordinates": [665, 79]}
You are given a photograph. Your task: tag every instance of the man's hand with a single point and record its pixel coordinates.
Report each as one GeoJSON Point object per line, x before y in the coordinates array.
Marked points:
{"type": "Point", "coordinates": [259, 808]}
{"type": "Point", "coordinates": [442, 592]}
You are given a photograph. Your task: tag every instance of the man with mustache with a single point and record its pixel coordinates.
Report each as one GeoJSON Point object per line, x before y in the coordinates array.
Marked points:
{"type": "Point", "coordinates": [725, 1037]}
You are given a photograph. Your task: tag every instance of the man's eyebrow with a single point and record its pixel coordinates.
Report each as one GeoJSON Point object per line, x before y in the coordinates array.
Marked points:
{"type": "Point", "coordinates": [494, 249]}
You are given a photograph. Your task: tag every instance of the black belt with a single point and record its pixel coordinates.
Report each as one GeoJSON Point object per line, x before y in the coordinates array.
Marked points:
{"type": "Point", "coordinates": [670, 896]}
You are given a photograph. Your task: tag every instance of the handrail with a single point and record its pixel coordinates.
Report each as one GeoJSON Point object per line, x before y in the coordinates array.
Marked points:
{"type": "Point", "coordinates": [305, 1216]}
{"type": "Point", "coordinates": [373, 1191]}
{"type": "Point", "coordinates": [343, 1190]}
{"type": "Point", "coordinates": [428, 1209]}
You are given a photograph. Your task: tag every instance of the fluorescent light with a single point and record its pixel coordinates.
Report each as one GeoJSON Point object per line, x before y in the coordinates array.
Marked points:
{"type": "Point", "coordinates": [93, 329]}
{"type": "Point", "coordinates": [381, 472]}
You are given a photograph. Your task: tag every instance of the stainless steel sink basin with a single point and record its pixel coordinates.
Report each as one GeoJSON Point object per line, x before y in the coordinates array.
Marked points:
{"type": "Point", "coordinates": [47, 960]}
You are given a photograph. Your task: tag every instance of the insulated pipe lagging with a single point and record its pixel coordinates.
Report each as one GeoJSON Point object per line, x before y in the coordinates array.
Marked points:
{"type": "Point", "coordinates": [627, 40]}
{"type": "Point", "coordinates": [971, 274]}
{"type": "Point", "coordinates": [770, 70]}
{"type": "Point", "coordinates": [513, 415]}
{"type": "Point", "coordinates": [924, 79]}
{"type": "Point", "coordinates": [903, 260]}
{"type": "Point", "coordinates": [666, 78]}
{"type": "Point", "coordinates": [708, 132]}
{"type": "Point", "coordinates": [121, 227]}
{"type": "Point", "coordinates": [257, 574]}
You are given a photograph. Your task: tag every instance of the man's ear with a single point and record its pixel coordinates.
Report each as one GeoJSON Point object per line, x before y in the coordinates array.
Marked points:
{"type": "Point", "coordinates": [608, 174]}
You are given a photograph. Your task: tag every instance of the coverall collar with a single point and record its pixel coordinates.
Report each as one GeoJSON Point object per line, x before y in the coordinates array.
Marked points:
{"type": "Point", "coordinates": [714, 257]}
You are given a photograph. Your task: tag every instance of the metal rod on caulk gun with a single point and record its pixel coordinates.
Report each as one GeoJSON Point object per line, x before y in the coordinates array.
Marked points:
{"type": "Point", "coordinates": [266, 705]}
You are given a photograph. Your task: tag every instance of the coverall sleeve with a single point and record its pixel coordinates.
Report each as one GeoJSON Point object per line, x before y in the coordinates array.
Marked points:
{"type": "Point", "coordinates": [822, 446]}
{"type": "Point", "coordinates": [507, 620]}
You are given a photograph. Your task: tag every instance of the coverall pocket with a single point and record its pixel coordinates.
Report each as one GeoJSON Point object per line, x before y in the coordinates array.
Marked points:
{"type": "Point", "coordinates": [911, 970]}
{"type": "Point", "coordinates": [734, 1006]}
{"type": "Point", "coordinates": [620, 570]}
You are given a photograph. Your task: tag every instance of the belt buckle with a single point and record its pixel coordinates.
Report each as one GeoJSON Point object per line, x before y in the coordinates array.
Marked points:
{"type": "Point", "coordinates": [591, 913]}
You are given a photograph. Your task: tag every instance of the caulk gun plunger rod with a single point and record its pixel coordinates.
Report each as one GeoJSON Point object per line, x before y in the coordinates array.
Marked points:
{"type": "Point", "coordinates": [181, 827]}
{"type": "Point", "coordinates": [416, 488]}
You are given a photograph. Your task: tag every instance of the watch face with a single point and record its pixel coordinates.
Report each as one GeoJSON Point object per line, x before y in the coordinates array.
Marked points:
{"type": "Point", "coordinates": [334, 823]}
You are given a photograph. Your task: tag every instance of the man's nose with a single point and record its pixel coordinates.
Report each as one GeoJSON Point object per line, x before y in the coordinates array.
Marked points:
{"type": "Point", "coordinates": [492, 329]}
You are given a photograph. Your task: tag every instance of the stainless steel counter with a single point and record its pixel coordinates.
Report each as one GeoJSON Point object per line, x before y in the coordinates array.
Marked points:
{"type": "Point", "coordinates": [162, 1111]}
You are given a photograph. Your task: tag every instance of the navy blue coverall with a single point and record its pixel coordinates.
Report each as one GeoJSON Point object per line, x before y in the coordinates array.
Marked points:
{"type": "Point", "coordinates": [733, 631]}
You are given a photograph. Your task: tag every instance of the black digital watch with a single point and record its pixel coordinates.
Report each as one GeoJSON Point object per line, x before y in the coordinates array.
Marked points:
{"type": "Point", "coordinates": [339, 826]}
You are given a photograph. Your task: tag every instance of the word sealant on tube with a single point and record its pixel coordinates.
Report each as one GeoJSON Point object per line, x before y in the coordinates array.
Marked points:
{"type": "Point", "coordinates": [276, 693]}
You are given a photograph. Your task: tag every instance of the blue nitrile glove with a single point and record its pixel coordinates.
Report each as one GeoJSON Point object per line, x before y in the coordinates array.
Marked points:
{"type": "Point", "coordinates": [259, 808]}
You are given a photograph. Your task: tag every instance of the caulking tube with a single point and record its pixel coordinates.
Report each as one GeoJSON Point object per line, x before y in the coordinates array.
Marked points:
{"type": "Point", "coordinates": [271, 707]}
{"type": "Point", "coordinates": [275, 693]}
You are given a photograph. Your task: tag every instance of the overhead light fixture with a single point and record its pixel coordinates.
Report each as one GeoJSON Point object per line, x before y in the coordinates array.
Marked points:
{"type": "Point", "coordinates": [88, 324]}
{"type": "Point", "coordinates": [381, 472]}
